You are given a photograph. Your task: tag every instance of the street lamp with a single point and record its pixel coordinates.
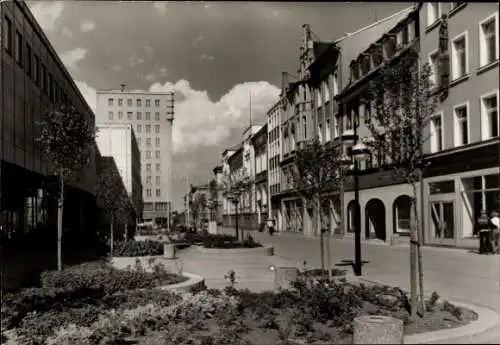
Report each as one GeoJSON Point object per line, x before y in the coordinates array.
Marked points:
{"type": "Point", "coordinates": [233, 196]}
{"type": "Point", "coordinates": [355, 151]}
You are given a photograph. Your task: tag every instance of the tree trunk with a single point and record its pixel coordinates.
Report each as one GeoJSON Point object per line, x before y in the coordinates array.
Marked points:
{"type": "Point", "coordinates": [60, 209]}
{"type": "Point", "coordinates": [321, 237]}
{"type": "Point", "coordinates": [413, 263]}
{"type": "Point", "coordinates": [419, 251]}
{"type": "Point", "coordinates": [111, 236]}
{"type": "Point", "coordinates": [328, 255]}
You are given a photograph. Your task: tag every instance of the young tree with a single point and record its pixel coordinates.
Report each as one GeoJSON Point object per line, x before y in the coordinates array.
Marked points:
{"type": "Point", "coordinates": [198, 205]}
{"type": "Point", "coordinates": [213, 199]}
{"type": "Point", "coordinates": [67, 140]}
{"type": "Point", "coordinates": [234, 185]}
{"type": "Point", "coordinates": [402, 104]}
{"type": "Point", "coordinates": [113, 198]}
{"type": "Point", "coordinates": [316, 171]}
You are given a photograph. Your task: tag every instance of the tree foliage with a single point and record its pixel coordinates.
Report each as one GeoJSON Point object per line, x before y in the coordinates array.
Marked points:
{"type": "Point", "coordinates": [235, 183]}
{"type": "Point", "coordinates": [198, 205]}
{"type": "Point", "coordinates": [316, 170]}
{"type": "Point", "coordinates": [67, 139]}
{"type": "Point", "coordinates": [402, 105]}
{"type": "Point", "coordinates": [112, 195]}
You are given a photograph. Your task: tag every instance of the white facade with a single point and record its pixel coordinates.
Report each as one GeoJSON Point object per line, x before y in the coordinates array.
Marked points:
{"type": "Point", "coordinates": [274, 153]}
{"type": "Point", "coordinates": [151, 116]}
{"type": "Point", "coordinates": [118, 141]}
{"type": "Point", "coordinates": [249, 202]}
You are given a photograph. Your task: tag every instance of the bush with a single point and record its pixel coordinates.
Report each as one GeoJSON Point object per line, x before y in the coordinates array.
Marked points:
{"type": "Point", "coordinates": [138, 248]}
{"type": "Point", "coordinates": [98, 275]}
{"type": "Point", "coordinates": [227, 242]}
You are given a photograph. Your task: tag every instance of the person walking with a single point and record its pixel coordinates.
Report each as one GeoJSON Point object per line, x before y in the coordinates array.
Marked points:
{"type": "Point", "coordinates": [270, 226]}
{"type": "Point", "coordinates": [483, 224]}
{"type": "Point", "coordinates": [495, 232]}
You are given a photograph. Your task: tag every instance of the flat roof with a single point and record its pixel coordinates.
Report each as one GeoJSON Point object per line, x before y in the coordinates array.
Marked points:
{"type": "Point", "coordinates": [133, 92]}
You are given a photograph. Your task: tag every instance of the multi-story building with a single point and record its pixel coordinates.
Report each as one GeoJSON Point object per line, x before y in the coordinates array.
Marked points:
{"type": "Point", "coordinates": [151, 115]}
{"type": "Point", "coordinates": [463, 176]}
{"type": "Point", "coordinates": [227, 206]}
{"type": "Point", "coordinates": [33, 80]}
{"type": "Point", "coordinates": [274, 158]}
{"type": "Point", "coordinates": [261, 189]}
{"type": "Point", "coordinates": [310, 109]}
{"type": "Point", "coordinates": [248, 207]}
{"type": "Point", "coordinates": [118, 141]}
{"type": "Point", "coordinates": [384, 197]}
{"type": "Point", "coordinates": [218, 203]}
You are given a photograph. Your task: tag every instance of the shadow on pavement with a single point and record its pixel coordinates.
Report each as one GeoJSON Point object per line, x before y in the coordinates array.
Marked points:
{"type": "Point", "coordinates": [350, 262]}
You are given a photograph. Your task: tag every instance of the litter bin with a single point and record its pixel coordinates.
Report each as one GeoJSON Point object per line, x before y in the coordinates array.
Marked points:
{"type": "Point", "coordinates": [374, 329]}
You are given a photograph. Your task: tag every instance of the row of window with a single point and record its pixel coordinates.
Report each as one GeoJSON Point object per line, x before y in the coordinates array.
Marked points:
{"type": "Point", "coordinates": [149, 179]}
{"type": "Point", "coordinates": [434, 11]}
{"type": "Point", "coordinates": [148, 142]}
{"type": "Point", "coordinates": [31, 63]}
{"type": "Point", "coordinates": [157, 167]}
{"type": "Point", "coordinates": [488, 50]}
{"type": "Point", "coordinates": [149, 192]}
{"type": "Point", "coordinates": [120, 115]}
{"type": "Point", "coordinates": [273, 135]}
{"type": "Point", "coordinates": [384, 49]}
{"type": "Point", "coordinates": [490, 123]}
{"type": "Point", "coordinates": [138, 102]}
{"type": "Point", "coordinates": [147, 128]}
{"type": "Point", "coordinates": [149, 156]}
{"type": "Point", "coordinates": [155, 206]}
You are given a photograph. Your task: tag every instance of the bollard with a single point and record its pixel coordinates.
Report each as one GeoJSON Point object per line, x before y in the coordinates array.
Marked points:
{"type": "Point", "coordinates": [169, 251]}
{"type": "Point", "coordinates": [374, 329]}
{"type": "Point", "coordinates": [284, 276]}
{"type": "Point", "coordinates": [270, 251]}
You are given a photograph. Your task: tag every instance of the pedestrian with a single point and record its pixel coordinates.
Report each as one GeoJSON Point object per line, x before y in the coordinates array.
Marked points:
{"type": "Point", "coordinates": [270, 226]}
{"type": "Point", "coordinates": [495, 231]}
{"type": "Point", "coordinates": [483, 224]}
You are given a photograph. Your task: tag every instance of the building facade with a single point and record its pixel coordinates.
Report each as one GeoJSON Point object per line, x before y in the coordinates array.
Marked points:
{"type": "Point", "coordinates": [310, 108]}
{"type": "Point", "coordinates": [261, 189]}
{"type": "Point", "coordinates": [33, 80]}
{"type": "Point", "coordinates": [463, 175]}
{"type": "Point", "coordinates": [274, 158]}
{"type": "Point", "coordinates": [118, 141]}
{"type": "Point", "coordinates": [151, 115]}
{"type": "Point", "coordinates": [384, 198]}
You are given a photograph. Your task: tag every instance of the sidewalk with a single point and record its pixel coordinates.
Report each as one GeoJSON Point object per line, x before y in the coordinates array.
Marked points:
{"type": "Point", "coordinates": [455, 274]}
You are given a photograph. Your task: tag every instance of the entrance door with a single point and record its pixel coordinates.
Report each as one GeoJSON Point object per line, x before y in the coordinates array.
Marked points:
{"type": "Point", "coordinates": [442, 219]}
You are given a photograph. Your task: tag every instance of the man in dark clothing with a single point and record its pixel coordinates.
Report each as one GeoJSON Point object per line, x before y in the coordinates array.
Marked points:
{"type": "Point", "coordinates": [483, 224]}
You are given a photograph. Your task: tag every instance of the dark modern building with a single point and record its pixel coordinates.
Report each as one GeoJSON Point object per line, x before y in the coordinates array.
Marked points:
{"type": "Point", "coordinates": [32, 80]}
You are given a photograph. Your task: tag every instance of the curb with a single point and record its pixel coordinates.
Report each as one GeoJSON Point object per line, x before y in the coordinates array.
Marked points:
{"type": "Point", "coordinates": [257, 250]}
{"type": "Point", "coordinates": [193, 284]}
{"type": "Point", "coordinates": [487, 320]}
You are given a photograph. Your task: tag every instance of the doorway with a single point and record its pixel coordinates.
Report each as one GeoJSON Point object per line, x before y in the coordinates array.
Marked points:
{"type": "Point", "coordinates": [442, 222]}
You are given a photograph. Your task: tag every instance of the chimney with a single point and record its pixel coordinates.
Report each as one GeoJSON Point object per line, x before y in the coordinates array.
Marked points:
{"type": "Point", "coordinates": [122, 87]}
{"type": "Point", "coordinates": [284, 82]}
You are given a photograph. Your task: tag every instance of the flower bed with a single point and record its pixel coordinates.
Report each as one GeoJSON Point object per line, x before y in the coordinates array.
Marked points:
{"type": "Point", "coordinates": [138, 248]}
{"type": "Point", "coordinates": [317, 312]}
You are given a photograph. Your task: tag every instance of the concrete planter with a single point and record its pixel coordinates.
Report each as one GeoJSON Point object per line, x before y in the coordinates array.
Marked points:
{"type": "Point", "coordinates": [193, 284]}
{"type": "Point", "coordinates": [169, 251]}
{"type": "Point", "coordinates": [257, 251]}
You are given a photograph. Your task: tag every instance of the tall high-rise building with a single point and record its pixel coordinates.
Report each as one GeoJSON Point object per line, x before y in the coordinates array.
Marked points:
{"type": "Point", "coordinates": [151, 116]}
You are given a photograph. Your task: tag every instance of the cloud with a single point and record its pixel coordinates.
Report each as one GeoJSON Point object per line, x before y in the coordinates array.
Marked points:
{"type": "Point", "coordinates": [200, 122]}
{"type": "Point", "coordinates": [87, 26]}
{"type": "Point", "coordinates": [197, 40]}
{"type": "Point", "coordinates": [207, 57]}
{"type": "Point", "coordinates": [150, 77]}
{"type": "Point", "coordinates": [163, 71]}
{"type": "Point", "coordinates": [148, 49]}
{"type": "Point", "coordinates": [134, 61]}
{"type": "Point", "coordinates": [72, 57]}
{"type": "Point", "coordinates": [89, 93]}
{"type": "Point", "coordinates": [67, 32]}
{"type": "Point", "coordinates": [47, 13]}
{"type": "Point", "coordinates": [117, 68]}
{"type": "Point", "coordinates": [161, 7]}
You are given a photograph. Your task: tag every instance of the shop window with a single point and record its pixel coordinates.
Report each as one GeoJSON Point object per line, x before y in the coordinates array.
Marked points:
{"type": "Point", "coordinates": [478, 193]}
{"type": "Point", "coordinates": [442, 187]}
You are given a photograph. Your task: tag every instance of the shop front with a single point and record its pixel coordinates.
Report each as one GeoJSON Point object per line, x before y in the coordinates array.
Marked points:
{"type": "Point", "coordinates": [466, 183]}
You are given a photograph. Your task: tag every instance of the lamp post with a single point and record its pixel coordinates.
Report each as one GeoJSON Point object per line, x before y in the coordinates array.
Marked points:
{"type": "Point", "coordinates": [355, 151]}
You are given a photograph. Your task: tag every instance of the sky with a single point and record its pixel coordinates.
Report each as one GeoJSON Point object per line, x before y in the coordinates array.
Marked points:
{"type": "Point", "coordinates": [213, 54]}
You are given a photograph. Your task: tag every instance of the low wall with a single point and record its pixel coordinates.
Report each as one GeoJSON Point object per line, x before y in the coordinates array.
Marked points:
{"type": "Point", "coordinates": [142, 238]}
{"type": "Point", "coordinates": [256, 251]}
{"type": "Point", "coordinates": [193, 284]}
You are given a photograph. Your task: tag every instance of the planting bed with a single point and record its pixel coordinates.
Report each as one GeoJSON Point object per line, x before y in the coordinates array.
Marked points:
{"type": "Point", "coordinates": [313, 311]}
